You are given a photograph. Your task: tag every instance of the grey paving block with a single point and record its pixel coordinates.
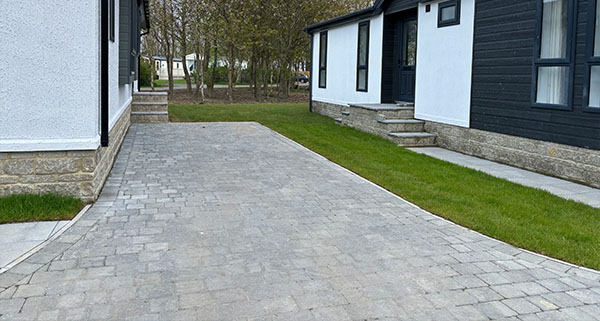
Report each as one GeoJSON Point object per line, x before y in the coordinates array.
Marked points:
{"type": "Point", "coordinates": [230, 221]}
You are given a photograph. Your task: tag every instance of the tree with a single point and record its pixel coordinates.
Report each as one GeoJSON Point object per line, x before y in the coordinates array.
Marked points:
{"type": "Point", "coordinates": [268, 34]}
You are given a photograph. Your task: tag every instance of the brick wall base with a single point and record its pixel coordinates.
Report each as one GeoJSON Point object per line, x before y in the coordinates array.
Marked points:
{"type": "Point", "coordinates": [572, 163]}
{"type": "Point", "coordinates": [327, 109]}
{"type": "Point", "coordinates": [76, 173]}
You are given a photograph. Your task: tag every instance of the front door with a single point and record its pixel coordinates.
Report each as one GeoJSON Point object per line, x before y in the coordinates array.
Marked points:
{"type": "Point", "coordinates": [407, 59]}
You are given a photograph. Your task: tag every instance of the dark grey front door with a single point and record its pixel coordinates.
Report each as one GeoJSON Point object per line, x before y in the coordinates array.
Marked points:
{"type": "Point", "coordinates": [407, 59]}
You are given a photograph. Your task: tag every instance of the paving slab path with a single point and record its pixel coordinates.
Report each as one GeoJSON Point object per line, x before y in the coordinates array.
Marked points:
{"type": "Point", "coordinates": [231, 221]}
{"type": "Point", "coordinates": [559, 187]}
{"type": "Point", "coordinates": [19, 238]}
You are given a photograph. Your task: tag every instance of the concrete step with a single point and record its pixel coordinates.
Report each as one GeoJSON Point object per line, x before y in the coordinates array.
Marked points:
{"type": "Point", "coordinates": [149, 106]}
{"type": "Point", "coordinates": [402, 125]}
{"type": "Point", "coordinates": [149, 117]}
{"type": "Point", "coordinates": [146, 96]}
{"type": "Point", "coordinates": [388, 111]}
{"type": "Point", "coordinates": [404, 104]}
{"type": "Point", "coordinates": [413, 139]}
{"type": "Point", "coordinates": [338, 121]}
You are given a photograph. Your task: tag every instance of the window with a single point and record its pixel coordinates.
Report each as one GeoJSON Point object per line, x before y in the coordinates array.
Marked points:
{"type": "Point", "coordinates": [592, 91]}
{"type": "Point", "coordinates": [449, 13]}
{"type": "Point", "coordinates": [323, 59]}
{"type": "Point", "coordinates": [362, 72]}
{"type": "Point", "coordinates": [553, 65]}
{"type": "Point", "coordinates": [111, 23]}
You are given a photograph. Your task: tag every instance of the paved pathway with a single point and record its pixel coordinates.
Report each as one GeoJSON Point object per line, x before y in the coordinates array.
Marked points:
{"type": "Point", "coordinates": [18, 239]}
{"type": "Point", "coordinates": [556, 186]}
{"type": "Point", "coordinates": [234, 222]}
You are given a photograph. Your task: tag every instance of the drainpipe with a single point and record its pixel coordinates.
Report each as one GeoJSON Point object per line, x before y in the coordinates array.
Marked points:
{"type": "Point", "coordinates": [310, 79]}
{"type": "Point", "coordinates": [104, 18]}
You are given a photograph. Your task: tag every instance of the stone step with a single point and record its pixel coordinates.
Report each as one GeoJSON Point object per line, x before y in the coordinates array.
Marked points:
{"type": "Point", "coordinates": [387, 111]}
{"type": "Point", "coordinates": [146, 96]}
{"type": "Point", "coordinates": [149, 117]}
{"type": "Point", "coordinates": [338, 121]}
{"type": "Point", "coordinates": [402, 125]}
{"type": "Point", "coordinates": [149, 106]}
{"type": "Point", "coordinates": [413, 139]}
{"type": "Point", "coordinates": [404, 104]}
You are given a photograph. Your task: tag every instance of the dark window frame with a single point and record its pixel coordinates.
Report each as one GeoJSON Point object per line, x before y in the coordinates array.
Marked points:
{"type": "Point", "coordinates": [591, 60]}
{"type": "Point", "coordinates": [323, 67]}
{"type": "Point", "coordinates": [569, 61]}
{"type": "Point", "coordinates": [451, 22]}
{"type": "Point", "coordinates": [111, 23]}
{"type": "Point", "coordinates": [365, 67]}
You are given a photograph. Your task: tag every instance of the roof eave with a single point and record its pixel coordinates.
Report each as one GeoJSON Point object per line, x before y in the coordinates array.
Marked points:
{"type": "Point", "coordinates": [347, 18]}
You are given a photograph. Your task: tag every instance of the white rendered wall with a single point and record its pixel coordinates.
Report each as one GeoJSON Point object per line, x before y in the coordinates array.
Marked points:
{"type": "Point", "coordinates": [342, 51]}
{"type": "Point", "coordinates": [49, 71]}
{"type": "Point", "coordinates": [444, 66]}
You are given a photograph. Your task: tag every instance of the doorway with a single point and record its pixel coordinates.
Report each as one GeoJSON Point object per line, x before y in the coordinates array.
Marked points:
{"type": "Point", "coordinates": [406, 57]}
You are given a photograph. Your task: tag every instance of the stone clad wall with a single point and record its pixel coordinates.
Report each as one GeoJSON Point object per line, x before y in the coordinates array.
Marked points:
{"type": "Point", "coordinates": [326, 109]}
{"type": "Point", "coordinates": [77, 173]}
{"type": "Point", "coordinates": [572, 163]}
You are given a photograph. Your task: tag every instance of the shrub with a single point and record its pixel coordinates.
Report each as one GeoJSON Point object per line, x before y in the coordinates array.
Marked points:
{"type": "Point", "coordinates": [145, 74]}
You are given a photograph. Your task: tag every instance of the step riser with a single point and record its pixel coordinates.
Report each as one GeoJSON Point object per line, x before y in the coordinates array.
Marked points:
{"type": "Point", "coordinates": [149, 118]}
{"type": "Point", "coordinates": [396, 128]}
{"type": "Point", "coordinates": [413, 141]}
{"type": "Point", "coordinates": [145, 108]}
{"type": "Point", "coordinates": [396, 114]}
{"type": "Point", "coordinates": [150, 98]}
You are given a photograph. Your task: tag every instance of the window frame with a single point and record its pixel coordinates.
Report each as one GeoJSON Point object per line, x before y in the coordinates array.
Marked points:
{"type": "Point", "coordinates": [451, 22]}
{"type": "Point", "coordinates": [590, 59]}
{"type": "Point", "coordinates": [365, 67]}
{"type": "Point", "coordinates": [111, 23]}
{"type": "Point", "coordinates": [568, 61]}
{"type": "Point", "coordinates": [323, 34]}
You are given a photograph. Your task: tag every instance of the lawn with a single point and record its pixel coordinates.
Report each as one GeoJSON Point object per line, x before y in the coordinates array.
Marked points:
{"type": "Point", "coordinates": [182, 82]}
{"type": "Point", "coordinates": [162, 82]}
{"type": "Point", "coordinates": [525, 217]}
{"type": "Point", "coordinates": [33, 208]}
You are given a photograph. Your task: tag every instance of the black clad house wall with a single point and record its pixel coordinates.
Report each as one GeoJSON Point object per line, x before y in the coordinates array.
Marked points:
{"type": "Point", "coordinates": [505, 35]}
{"type": "Point", "coordinates": [392, 6]}
{"type": "Point", "coordinates": [390, 43]}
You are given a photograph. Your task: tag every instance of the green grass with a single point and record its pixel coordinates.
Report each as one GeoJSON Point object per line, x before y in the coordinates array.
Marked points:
{"type": "Point", "coordinates": [522, 216]}
{"type": "Point", "coordinates": [161, 82]}
{"type": "Point", "coordinates": [32, 208]}
{"type": "Point", "coordinates": [222, 83]}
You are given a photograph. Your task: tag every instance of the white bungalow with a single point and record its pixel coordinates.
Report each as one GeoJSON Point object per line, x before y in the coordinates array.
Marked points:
{"type": "Point", "coordinates": [491, 78]}
{"type": "Point", "coordinates": [69, 71]}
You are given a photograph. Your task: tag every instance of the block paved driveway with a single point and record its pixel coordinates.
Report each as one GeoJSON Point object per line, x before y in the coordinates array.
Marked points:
{"type": "Point", "coordinates": [234, 222]}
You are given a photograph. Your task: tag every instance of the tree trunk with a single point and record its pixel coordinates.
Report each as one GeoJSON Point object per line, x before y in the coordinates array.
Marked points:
{"type": "Point", "coordinates": [230, 74]}
{"type": "Point", "coordinates": [205, 62]}
{"type": "Point", "coordinates": [188, 79]}
{"type": "Point", "coordinates": [170, 72]}
{"type": "Point", "coordinates": [152, 72]}
{"type": "Point", "coordinates": [199, 77]}
{"type": "Point", "coordinates": [213, 79]}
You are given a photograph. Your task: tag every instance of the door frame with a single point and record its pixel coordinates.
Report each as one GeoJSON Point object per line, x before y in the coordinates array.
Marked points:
{"type": "Point", "coordinates": [399, 43]}
{"type": "Point", "coordinates": [390, 76]}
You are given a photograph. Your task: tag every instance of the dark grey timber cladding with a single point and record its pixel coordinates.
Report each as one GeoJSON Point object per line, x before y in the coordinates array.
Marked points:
{"type": "Point", "coordinates": [505, 35]}
{"type": "Point", "coordinates": [392, 6]}
{"type": "Point", "coordinates": [388, 71]}
{"type": "Point", "coordinates": [124, 41]}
